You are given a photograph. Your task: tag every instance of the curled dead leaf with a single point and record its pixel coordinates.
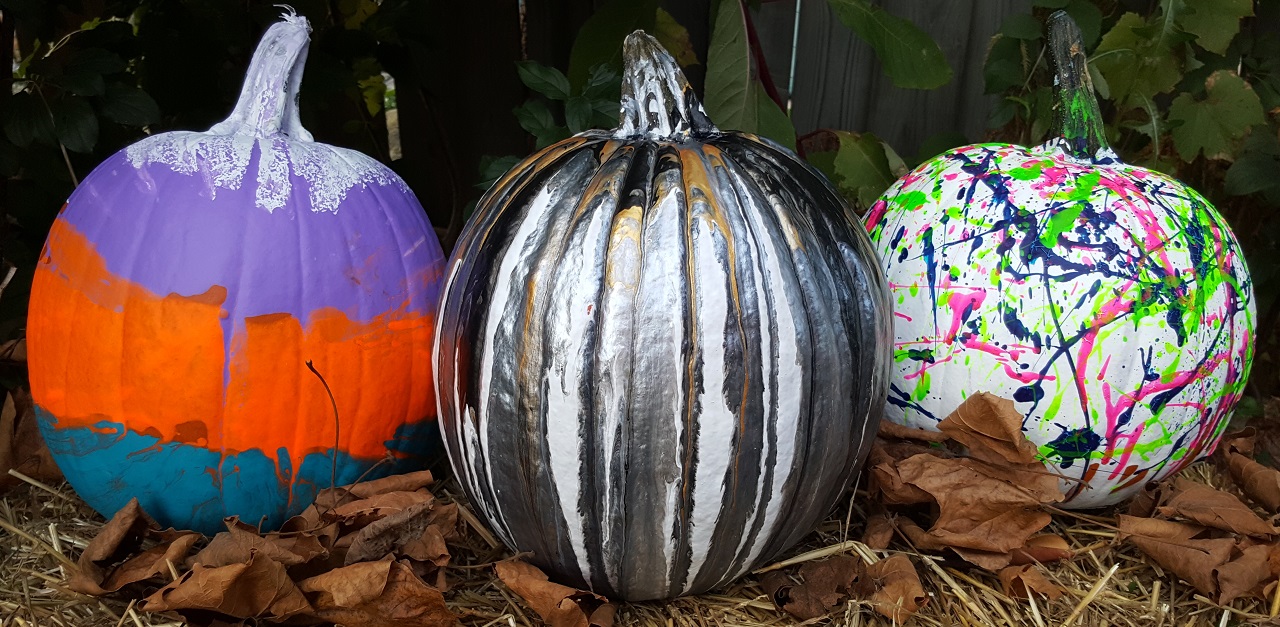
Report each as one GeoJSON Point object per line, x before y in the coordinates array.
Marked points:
{"type": "Point", "coordinates": [118, 540]}
{"type": "Point", "coordinates": [1245, 575]}
{"type": "Point", "coordinates": [1259, 483]}
{"type": "Point", "coordinates": [258, 588]}
{"type": "Point", "coordinates": [1175, 547]}
{"type": "Point", "coordinates": [1043, 549]}
{"type": "Point", "coordinates": [22, 448]}
{"type": "Point", "coordinates": [879, 530]}
{"type": "Point", "coordinates": [991, 428]}
{"type": "Point", "coordinates": [1020, 581]}
{"type": "Point", "coordinates": [1214, 508]}
{"type": "Point", "coordinates": [385, 593]}
{"type": "Point", "coordinates": [558, 605]}
{"type": "Point", "coordinates": [822, 586]}
{"type": "Point", "coordinates": [893, 587]}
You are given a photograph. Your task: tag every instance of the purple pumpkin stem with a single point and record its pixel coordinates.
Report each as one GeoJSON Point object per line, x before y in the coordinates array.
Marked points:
{"type": "Point", "coordinates": [657, 99]}
{"type": "Point", "coordinates": [1079, 119]}
{"type": "Point", "coordinates": [268, 100]}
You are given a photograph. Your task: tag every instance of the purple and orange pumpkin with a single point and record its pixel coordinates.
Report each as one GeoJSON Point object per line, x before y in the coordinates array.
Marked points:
{"type": "Point", "coordinates": [190, 279]}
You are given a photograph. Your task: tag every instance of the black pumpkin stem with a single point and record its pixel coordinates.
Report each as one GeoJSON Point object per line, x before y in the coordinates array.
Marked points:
{"type": "Point", "coordinates": [1079, 119]}
{"type": "Point", "coordinates": [657, 100]}
{"type": "Point", "coordinates": [268, 100]}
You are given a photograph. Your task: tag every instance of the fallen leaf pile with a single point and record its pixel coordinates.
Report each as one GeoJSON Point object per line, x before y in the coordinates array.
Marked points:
{"type": "Point", "coordinates": [372, 554]}
{"type": "Point", "coordinates": [891, 586]}
{"type": "Point", "coordinates": [1210, 537]}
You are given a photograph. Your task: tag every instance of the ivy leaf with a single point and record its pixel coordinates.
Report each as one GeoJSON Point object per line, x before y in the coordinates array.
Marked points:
{"type": "Point", "coordinates": [859, 164]}
{"type": "Point", "coordinates": [75, 123]}
{"type": "Point", "coordinates": [492, 168]}
{"type": "Point", "coordinates": [1022, 26]}
{"type": "Point", "coordinates": [600, 38]}
{"type": "Point", "coordinates": [545, 80]}
{"type": "Point", "coordinates": [675, 38]}
{"type": "Point", "coordinates": [1214, 22]}
{"type": "Point", "coordinates": [734, 99]}
{"type": "Point", "coordinates": [1137, 62]}
{"type": "Point", "coordinates": [910, 57]}
{"type": "Point", "coordinates": [1213, 124]}
{"type": "Point", "coordinates": [130, 106]}
{"type": "Point", "coordinates": [1258, 167]}
{"type": "Point", "coordinates": [577, 114]}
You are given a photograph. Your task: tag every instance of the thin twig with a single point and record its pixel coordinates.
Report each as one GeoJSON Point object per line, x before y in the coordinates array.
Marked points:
{"type": "Point", "coordinates": [337, 426]}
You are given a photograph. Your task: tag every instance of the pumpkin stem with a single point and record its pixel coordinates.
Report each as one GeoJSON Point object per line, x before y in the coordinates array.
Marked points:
{"type": "Point", "coordinates": [268, 99]}
{"type": "Point", "coordinates": [657, 100]}
{"type": "Point", "coordinates": [1079, 119]}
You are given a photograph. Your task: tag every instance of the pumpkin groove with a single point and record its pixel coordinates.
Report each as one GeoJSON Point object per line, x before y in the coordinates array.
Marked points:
{"type": "Point", "coordinates": [658, 348]}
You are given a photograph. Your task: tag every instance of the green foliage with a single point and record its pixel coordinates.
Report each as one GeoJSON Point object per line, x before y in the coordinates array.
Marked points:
{"type": "Point", "coordinates": [907, 54]}
{"type": "Point", "coordinates": [735, 99]}
{"type": "Point", "coordinates": [1212, 125]}
{"type": "Point", "coordinates": [862, 166]}
{"type": "Point", "coordinates": [600, 38]}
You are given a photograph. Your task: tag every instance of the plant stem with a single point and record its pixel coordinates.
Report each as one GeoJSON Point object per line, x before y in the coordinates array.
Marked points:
{"type": "Point", "coordinates": [1079, 119]}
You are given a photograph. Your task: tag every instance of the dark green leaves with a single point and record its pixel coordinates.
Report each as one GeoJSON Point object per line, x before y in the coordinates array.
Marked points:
{"type": "Point", "coordinates": [860, 165]}
{"type": "Point", "coordinates": [735, 99]}
{"type": "Point", "coordinates": [908, 55]}
{"type": "Point", "coordinates": [1211, 125]}
{"type": "Point", "coordinates": [129, 105]}
{"type": "Point", "coordinates": [545, 80]}
{"type": "Point", "coordinates": [600, 39]}
{"type": "Point", "coordinates": [75, 124]}
{"type": "Point", "coordinates": [1214, 22]}
{"type": "Point", "coordinates": [1137, 63]}
{"type": "Point", "coordinates": [536, 117]}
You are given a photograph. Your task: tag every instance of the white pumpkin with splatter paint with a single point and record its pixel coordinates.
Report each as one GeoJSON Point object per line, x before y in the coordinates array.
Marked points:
{"type": "Point", "coordinates": [1110, 302]}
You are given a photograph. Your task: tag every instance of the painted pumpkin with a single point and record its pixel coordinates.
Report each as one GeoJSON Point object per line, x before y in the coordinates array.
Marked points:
{"type": "Point", "coordinates": [662, 349]}
{"type": "Point", "coordinates": [187, 283]}
{"type": "Point", "coordinates": [1110, 302]}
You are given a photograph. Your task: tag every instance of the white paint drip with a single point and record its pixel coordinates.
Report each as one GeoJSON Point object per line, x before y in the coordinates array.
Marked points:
{"type": "Point", "coordinates": [223, 160]}
{"type": "Point", "coordinates": [716, 423]}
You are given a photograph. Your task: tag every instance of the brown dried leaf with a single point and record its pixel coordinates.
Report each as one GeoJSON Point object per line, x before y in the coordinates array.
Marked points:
{"type": "Point", "coordinates": [558, 605]}
{"type": "Point", "coordinates": [893, 586]}
{"type": "Point", "coordinates": [121, 537]}
{"type": "Point", "coordinates": [975, 509]}
{"type": "Point", "coordinates": [154, 562]}
{"type": "Point", "coordinates": [1244, 575]}
{"type": "Point", "coordinates": [393, 533]}
{"type": "Point", "coordinates": [259, 588]}
{"type": "Point", "coordinates": [1143, 504]}
{"type": "Point", "coordinates": [879, 530]}
{"type": "Point", "coordinates": [361, 512]}
{"type": "Point", "coordinates": [1043, 548]}
{"type": "Point", "coordinates": [991, 428]}
{"type": "Point", "coordinates": [1020, 581]}
{"type": "Point", "coordinates": [22, 447]}
{"type": "Point", "coordinates": [895, 430]}
{"type": "Point", "coordinates": [1214, 508]}
{"type": "Point", "coordinates": [824, 585]}
{"type": "Point", "coordinates": [330, 498]}
{"type": "Point", "coordinates": [1174, 547]}
{"type": "Point", "coordinates": [385, 593]}
{"type": "Point", "coordinates": [887, 482]}
{"type": "Point", "coordinates": [240, 542]}
{"type": "Point", "coordinates": [1260, 483]}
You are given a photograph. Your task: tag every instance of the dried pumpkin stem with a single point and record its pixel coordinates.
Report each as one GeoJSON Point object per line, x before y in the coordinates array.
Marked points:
{"type": "Point", "coordinates": [1079, 120]}
{"type": "Point", "coordinates": [657, 99]}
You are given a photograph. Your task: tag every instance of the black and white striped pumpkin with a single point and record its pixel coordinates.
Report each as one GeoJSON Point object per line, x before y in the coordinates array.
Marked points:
{"type": "Point", "coordinates": [662, 351]}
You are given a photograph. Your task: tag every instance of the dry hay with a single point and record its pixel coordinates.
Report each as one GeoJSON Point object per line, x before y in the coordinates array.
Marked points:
{"type": "Point", "coordinates": [43, 528]}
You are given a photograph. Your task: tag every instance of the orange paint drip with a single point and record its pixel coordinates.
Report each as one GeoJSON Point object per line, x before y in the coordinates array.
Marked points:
{"type": "Point", "coordinates": [104, 348]}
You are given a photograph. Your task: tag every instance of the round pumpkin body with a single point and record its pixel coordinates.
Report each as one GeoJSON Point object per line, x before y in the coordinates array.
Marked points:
{"type": "Point", "coordinates": [660, 348]}
{"type": "Point", "coordinates": [187, 285]}
{"type": "Point", "coordinates": [1110, 302]}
